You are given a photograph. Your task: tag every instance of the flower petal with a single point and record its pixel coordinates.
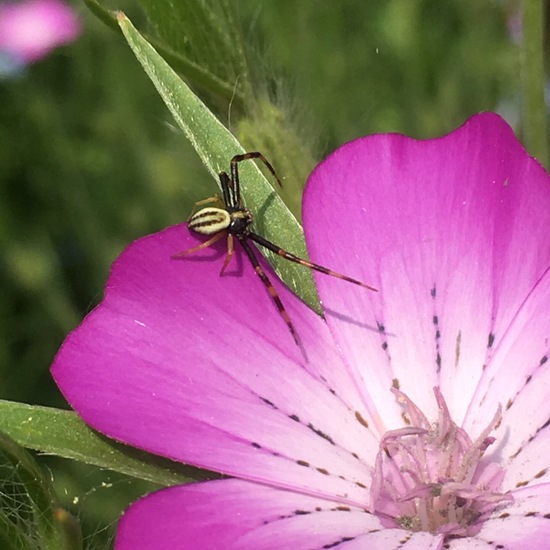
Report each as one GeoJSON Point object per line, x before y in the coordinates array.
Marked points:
{"type": "Point", "coordinates": [518, 377]}
{"type": "Point", "coordinates": [521, 525]}
{"type": "Point", "coordinates": [202, 369]}
{"type": "Point", "coordinates": [234, 514]}
{"type": "Point", "coordinates": [453, 232]}
{"type": "Point", "coordinates": [30, 30]}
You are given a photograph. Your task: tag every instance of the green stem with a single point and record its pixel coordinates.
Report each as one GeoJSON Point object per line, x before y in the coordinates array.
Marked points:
{"type": "Point", "coordinates": [534, 108]}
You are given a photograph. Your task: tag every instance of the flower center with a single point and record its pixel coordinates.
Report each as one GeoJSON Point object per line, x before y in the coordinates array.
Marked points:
{"type": "Point", "coordinates": [431, 477]}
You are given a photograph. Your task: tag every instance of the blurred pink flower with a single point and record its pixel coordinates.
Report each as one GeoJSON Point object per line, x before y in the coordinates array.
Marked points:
{"type": "Point", "coordinates": [417, 417]}
{"type": "Point", "coordinates": [31, 30]}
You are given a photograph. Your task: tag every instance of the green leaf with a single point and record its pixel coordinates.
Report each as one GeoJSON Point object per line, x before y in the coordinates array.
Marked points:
{"type": "Point", "coordinates": [206, 33]}
{"type": "Point", "coordinates": [216, 146]}
{"type": "Point", "coordinates": [28, 510]}
{"type": "Point", "coordinates": [63, 433]}
{"type": "Point", "coordinates": [194, 71]}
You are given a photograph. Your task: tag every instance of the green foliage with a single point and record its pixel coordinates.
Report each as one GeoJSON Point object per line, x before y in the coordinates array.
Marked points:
{"type": "Point", "coordinates": [90, 159]}
{"type": "Point", "coordinates": [411, 66]}
{"type": "Point", "coordinates": [29, 516]}
{"type": "Point", "coordinates": [63, 433]}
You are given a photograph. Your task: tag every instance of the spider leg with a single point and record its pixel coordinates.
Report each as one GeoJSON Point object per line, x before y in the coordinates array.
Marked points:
{"type": "Point", "coordinates": [214, 199]}
{"type": "Point", "coordinates": [270, 288]}
{"type": "Point", "coordinates": [205, 244]}
{"type": "Point", "coordinates": [230, 250]}
{"type": "Point", "coordinates": [288, 256]}
{"type": "Point", "coordinates": [235, 171]}
{"type": "Point", "coordinates": [230, 196]}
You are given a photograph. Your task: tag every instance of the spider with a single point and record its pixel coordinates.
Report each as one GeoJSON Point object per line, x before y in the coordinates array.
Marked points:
{"type": "Point", "coordinates": [229, 217]}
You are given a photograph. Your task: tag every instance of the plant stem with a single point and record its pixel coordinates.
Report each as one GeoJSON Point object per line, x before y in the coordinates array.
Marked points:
{"type": "Point", "coordinates": [534, 108]}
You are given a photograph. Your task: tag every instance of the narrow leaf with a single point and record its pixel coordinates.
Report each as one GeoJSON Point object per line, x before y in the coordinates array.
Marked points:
{"type": "Point", "coordinates": [62, 433]}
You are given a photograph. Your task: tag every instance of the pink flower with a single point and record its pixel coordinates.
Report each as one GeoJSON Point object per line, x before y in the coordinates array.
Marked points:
{"type": "Point", "coordinates": [417, 417]}
{"type": "Point", "coordinates": [31, 30]}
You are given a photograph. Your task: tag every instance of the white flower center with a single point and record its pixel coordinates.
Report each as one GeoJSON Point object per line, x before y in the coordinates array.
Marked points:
{"type": "Point", "coordinates": [432, 477]}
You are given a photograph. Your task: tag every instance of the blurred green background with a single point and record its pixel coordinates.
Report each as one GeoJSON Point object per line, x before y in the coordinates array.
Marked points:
{"type": "Point", "coordinates": [90, 160]}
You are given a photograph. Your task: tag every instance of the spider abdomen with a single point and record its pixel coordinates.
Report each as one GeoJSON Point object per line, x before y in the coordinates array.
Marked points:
{"type": "Point", "coordinates": [209, 220]}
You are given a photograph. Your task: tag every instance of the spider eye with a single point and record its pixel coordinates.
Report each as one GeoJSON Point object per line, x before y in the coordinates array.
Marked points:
{"type": "Point", "coordinates": [208, 221]}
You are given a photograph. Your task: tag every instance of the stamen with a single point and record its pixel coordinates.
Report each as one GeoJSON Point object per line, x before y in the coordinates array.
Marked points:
{"type": "Point", "coordinates": [431, 477]}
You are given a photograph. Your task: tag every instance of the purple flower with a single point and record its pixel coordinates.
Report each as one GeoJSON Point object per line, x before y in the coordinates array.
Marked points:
{"type": "Point", "coordinates": [417, 417]}
{"type": "Point", "coordinates": [30, 30]}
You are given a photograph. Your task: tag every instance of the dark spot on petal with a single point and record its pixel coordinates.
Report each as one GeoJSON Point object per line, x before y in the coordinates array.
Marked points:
{"type": "Point", "coordinates": [528, 379]}
{"type": "Point", "coordinates": [343, 508]}
{"type": "Point", "coordinates": [435, 320]}
{"type": "Point", "coordinates": [509, 404]}
{"type": "Point", "coordinates": [457, 348]}
{"type": "Point", "coordinates": [303, 463]}
{"type": "Point", "coordinates": [546, 516]}
{"type": "Point", "coordinates": [531, 514]}
{"type": "Point", "coordinates": [338, 542]}
{"type": "Point", "coordinates": [321, 433]}
{"type": "Point", "coordinates": [381, 327]}
{"type": "Point", "coordinates": [504, 515]}
{"type": "Point", "coordinates": [522, 483]}
{"type": "Point", "coordinates": [361, 420]}
{"type": "Point", "coordinates": [395, 383]}
{"type": "Point", "coordinates": [516, 453]}
{"type": "Point", "coordinates": [323, 471]}
{"type": "Point", "coordinates": [384, 346]}
{"type": "Point", "coordinates": [256, 445]}
{"type": "Point", "coordinates": [294, 417]}
{"type": "Point", "coordinates": [433, 292]}
{"type": "Point", "coordinates": [543, 360]}
{"type": "Point", "coordinates": [541, 473]}
{"type": "Point", "coordinates": [490, 340]}
{"type": "Point", "coordinates": [268, 402]}
{"type": "Point", "coordinates": [359, 484]}
{"type": "Point", "coordinates": [301, 512]}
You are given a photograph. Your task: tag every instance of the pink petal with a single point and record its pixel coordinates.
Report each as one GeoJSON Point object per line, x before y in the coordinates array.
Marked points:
{"type": "Point", "coordinates": [453, 232]}
{"type": "Point", "coordinates": [202, 369]}
{"type": "Point", "coordinates": [30, 30]}
{"type": "Point", "coordinates": [233, 514]}
{"type": "Point", "coordinates": [519, 377]}
{"type": "Point", "coordinates": [522, 525]}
